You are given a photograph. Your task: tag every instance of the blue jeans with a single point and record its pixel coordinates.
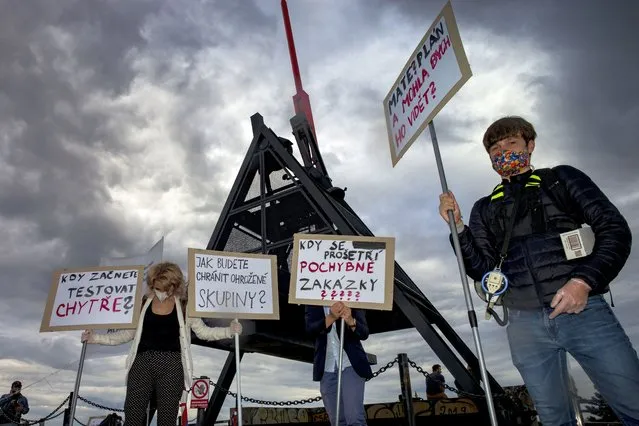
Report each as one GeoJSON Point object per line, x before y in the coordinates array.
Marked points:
{"type": "Point", "coordinates": [351, 406]}
{"type": "Point", "coordinates": [595, 339]}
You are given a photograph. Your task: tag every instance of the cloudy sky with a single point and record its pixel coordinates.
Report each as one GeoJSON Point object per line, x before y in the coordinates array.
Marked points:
{"type": "Point", "coordinates": [123, 121]}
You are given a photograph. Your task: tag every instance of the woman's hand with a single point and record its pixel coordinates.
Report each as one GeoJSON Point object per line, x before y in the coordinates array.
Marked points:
{"type": "Point", "coordinates": [87, 335]}
{"type": "Point", "coordinates": [236, 327]}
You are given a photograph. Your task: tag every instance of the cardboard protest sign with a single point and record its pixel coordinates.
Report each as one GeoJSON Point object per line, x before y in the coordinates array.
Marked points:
{"type": "Point", "coordinates": [356, 270]}
{"type": "Point", "coordinates": [232, 285]}
{"type": "Point", "coordinates": [436, 70]}
{"type": "Point", "coordinates": [96, 297]}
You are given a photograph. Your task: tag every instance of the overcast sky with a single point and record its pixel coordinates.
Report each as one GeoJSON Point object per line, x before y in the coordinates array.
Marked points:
{"type": "Point", "coordinates": [124, 121]}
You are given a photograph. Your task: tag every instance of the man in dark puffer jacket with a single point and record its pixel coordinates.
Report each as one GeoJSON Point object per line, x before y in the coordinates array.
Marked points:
{"type": "Point", "coordinates": [555, 305]}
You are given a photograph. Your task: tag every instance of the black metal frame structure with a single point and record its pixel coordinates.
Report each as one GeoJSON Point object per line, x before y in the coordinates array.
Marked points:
{"type": "Point", "coordinates": [275, 196]}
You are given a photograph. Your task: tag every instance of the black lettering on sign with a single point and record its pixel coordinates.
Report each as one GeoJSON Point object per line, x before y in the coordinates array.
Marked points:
{"type": "Point", "coordinates": [310, 245]}
{"type": "Point", "coordinates": [204, 262]}
{"type": "Point", "coordinates": [208, 298]}
{"type": "Point", "coordinates": [229, 263]}
{"type": "Point", "coordinates": [309, 284]}
{"type": "Point", "coordinates": [71, 278]}
{"type": "Point", "coordinates": [212, 276]}
{"type": "Point", "coordinates": [113, 275]}
{"type": "Point", "coordinates": [98, 290]}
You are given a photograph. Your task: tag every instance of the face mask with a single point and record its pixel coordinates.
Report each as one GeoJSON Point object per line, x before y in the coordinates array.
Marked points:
{"type": "Point", "coordinates": [510, 163]}
{"type": "Point", "coordinates": [161, 295]}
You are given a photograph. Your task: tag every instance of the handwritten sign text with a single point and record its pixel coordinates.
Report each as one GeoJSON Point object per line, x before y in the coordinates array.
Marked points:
{"type": "Point", "coordinates": [102, 297]}
{"type": "Point", "coordinates": [331, 268]}
{"type": "Point", "coordinates": [232, 285]}
{"type": "Point", "coordinates": [434, 72]}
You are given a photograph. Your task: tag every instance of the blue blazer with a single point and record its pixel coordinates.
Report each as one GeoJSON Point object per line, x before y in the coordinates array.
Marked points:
{"type": "Point", "coordinates": [316, 326]}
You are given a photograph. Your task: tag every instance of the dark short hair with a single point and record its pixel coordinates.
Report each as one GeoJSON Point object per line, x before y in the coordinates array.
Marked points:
{"type": "Point", "coordinates": [506, 127]}
{"type": "Point", "coordinates": [16, 384]}
{"type": "Point", "coordinates": [436, 367]}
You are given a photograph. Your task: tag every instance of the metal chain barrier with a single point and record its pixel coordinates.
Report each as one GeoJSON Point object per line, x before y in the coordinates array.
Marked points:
{"type": "Point", "coordinates": [450, 388]}
{"type": "Point", "coordinates": [318, 398]}
{"type": "Point", "coordinates": [25, 422]}
{"type": "Point", "coordinates": [384, 368]}
{"type": "Point", "coordinates": [100, 406]}
{"type": "Point", "coordinates": [297, 401]}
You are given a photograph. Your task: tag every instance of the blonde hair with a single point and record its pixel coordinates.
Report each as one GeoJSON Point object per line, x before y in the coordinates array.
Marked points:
{"type": "Point", "coordinates": [166, 276]}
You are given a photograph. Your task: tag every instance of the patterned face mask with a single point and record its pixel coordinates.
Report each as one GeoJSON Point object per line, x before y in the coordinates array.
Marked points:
{"type": "Point", "coordinates": [509, 163]}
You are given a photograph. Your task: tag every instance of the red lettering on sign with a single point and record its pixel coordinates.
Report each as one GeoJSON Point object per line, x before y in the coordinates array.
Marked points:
{"type": "Point", "coordinates": [116, 303]}
{"type": "Point", "coordinates": [104, 304]}
{"type": "Point", "coordinates": [400, 135]}
{"type": "Point", "coordinates": [438, 53]}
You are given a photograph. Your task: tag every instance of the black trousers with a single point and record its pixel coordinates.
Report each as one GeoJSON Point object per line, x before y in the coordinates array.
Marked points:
{"type": "Point", "coordinates": [154, 371]}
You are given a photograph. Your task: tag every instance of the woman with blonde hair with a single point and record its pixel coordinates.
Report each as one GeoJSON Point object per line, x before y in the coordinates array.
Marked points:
{"type": "Point", "coordinates": [160, 357]}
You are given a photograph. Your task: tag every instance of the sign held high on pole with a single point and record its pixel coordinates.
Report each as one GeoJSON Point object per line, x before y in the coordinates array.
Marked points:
{"type": "Point", "coordinates": [435, 71]}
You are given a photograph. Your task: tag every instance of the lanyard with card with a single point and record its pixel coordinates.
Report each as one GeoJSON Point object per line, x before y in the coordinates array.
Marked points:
{"type": "Point", "coordinates": [495, 283]}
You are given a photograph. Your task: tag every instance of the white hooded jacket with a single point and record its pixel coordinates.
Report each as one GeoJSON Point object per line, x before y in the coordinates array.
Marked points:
{"type": "Point", "coordinates": [200, 329]}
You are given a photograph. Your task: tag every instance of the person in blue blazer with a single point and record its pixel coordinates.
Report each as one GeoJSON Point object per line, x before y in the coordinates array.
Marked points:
{"type": "Point", "coordinates": [323, 323]}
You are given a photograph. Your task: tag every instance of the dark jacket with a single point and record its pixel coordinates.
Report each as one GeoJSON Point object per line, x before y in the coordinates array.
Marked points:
{"type": "Point", "coordinates": [316, 326]}
{"type": "Point", "coordinates": [8, 404]}
{"type": "Point", "coordinates": [536, 265]}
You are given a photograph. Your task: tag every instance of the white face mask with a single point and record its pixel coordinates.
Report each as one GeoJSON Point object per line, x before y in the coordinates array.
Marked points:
{"type": "Point", "coordinates": [161, 295]}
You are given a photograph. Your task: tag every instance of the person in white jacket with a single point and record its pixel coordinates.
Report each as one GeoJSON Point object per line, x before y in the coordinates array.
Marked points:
{"type": "Point", "coordinates": [160, 355]}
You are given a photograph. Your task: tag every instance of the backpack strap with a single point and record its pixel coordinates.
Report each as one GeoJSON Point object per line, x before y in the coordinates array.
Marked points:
{"type": "Point", "coordinates": [559, 194]}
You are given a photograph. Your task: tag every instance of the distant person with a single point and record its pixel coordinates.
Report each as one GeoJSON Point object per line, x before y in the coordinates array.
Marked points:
{"type": "Point", "coordinates": [160, 356]}
{"type": "Point", "coordinates": [323, 323]}
{"type": "Point", "coordinates": [435, 384]}
{"type": "Point", "coordinates": [555, 300]}
{"type": "Point", "coordinates": [13, 405]}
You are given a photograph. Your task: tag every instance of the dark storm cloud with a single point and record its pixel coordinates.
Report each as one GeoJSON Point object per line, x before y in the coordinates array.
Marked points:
{"type": "Point", "coordinates": [209, 57]}
{"type": "Point", "coordinates": [190, 44]}
{"type": "Point", "coordinates": [55, 54]}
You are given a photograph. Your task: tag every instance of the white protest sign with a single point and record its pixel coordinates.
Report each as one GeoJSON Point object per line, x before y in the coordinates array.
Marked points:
{"type": "Point", "coordinates": [356, 270]}
{"type": "Point", "coordinates": [97, 297]}
{"type": "Point", "coordinates": [232, 285]}
{"type": "Point", "coordinates": [435, 71]}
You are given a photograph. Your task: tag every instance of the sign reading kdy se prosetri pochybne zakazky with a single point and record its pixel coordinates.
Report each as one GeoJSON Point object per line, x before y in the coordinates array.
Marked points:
{"type": "Point", "coordinates": [94, 298]}
{"type": "Point", "coordinates": [436, 70]}
{"type": "Point", "coordinates": [356, 270]}
{"type": "Point", "coordinates": [232, 285]}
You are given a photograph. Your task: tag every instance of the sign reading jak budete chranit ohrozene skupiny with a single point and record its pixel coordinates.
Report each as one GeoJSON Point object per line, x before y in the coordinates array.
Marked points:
{"type": "Point", "coordinates": [356, 270]}
{"type": "Point", "coordinates": [232, 285]}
